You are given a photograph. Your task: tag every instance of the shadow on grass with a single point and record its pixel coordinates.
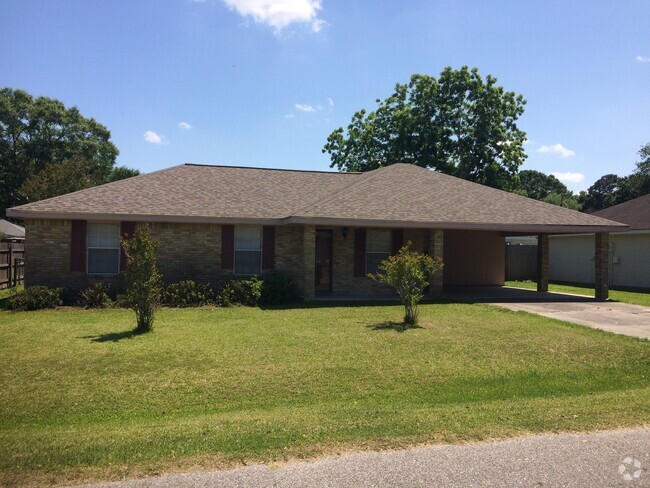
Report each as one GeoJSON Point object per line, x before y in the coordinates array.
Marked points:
{"type": "Point", "coordinates": [397, 326]}
{"type": "Point", "coordinates": [114, 336]}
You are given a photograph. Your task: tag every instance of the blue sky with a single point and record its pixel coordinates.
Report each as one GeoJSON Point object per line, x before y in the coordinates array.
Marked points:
{"type": "Point", "coordinates": [264, 82]}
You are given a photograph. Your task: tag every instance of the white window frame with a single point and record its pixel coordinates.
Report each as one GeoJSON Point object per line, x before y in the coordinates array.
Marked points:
{"type": "Point", "coordinates": [89, 247]}
{"type": "Point", "coordinates": [248, 227]}
{"type": "Point", "coordinates": [386, 252]}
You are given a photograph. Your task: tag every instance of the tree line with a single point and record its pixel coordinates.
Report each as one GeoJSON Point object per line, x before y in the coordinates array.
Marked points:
{"type": "Point", "coordinates": [47, 149]}
{"type": "Point", "coordinates": [458, 123]}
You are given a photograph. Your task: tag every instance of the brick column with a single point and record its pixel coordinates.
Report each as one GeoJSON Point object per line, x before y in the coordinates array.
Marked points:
{"type": "Point", "coordinates": [601, 261]}
{"type": "Point", "coordinates": [436, 249]}
{"type": "Point", "coordinates": [309, 260]}
{"type": "Point", "coordinates": [542, 262]}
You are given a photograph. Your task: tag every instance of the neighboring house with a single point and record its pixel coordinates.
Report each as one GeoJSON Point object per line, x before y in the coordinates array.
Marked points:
{"type": "Point", "coordinates": [572, 258]}
{"type": "Point", "coordinates": [326, 229]}
{"type": "Point", "coordinates": [11, 231]}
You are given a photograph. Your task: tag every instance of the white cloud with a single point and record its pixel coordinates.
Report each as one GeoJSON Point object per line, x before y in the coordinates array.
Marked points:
{"type": "Point", "coordinates": [280, 13]}
{"type": "Point", "coordinates": [559, 149]}
{"type": "Point", "coordinates": [290, 116]}
{"type": "Point", "coordinates": [643, 59]}
{"type": "Point", "coordinates": [185, 125]}
{"type": "Point", "coordinates": [330, 102]}
{"type": "Point", "coordinates": [153, 138]}
{"type": "Point", "coordinates": [304, 107]}
{"type": "Point", "coordinates": [570, 177]}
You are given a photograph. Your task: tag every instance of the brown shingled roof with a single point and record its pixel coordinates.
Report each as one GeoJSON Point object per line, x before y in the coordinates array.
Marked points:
{"type": "Point", "coordinates": [635, 213]}
{"type": "Point", "coordinates": [400, 195]}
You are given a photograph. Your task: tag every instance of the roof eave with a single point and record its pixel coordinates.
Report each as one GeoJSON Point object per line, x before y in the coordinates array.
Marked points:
{"type": "Point", "coordinates": [501, 227]}
{"type": "Point", "coordinates": [320, 221]}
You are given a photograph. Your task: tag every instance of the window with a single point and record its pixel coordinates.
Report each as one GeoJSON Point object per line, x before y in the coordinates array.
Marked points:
{"type": "Point", "coordinates": [103, 248]}
{"type": "Point", "coordinates": [377, 248]}
{"type": "Point", "coordinates": [248, 250]}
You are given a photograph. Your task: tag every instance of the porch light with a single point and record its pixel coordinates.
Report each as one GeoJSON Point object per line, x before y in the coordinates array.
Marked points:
{"type": "Point", "coordinates": [344, 232]}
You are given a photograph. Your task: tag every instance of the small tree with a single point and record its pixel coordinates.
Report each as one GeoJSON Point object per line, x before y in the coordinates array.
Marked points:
{"type": "Point", "coordinates": [408, 272]}
{"type": "Point", "coordinates": [142, 277]}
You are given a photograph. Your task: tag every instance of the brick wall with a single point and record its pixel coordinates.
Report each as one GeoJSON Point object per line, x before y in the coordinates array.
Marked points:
{"type": "Point", "coordinates": [193, 251]}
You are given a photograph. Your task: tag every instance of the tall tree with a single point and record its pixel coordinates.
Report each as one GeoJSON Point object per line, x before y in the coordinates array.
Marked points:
{"type": "Point", "coordinates": [459, 124]}
{"type": "Point", "coordinates": [42, 135]}
{"type": "Point", "coordinates": [539, 185]}
{"type": "Point", "coordinates": [602, 193]}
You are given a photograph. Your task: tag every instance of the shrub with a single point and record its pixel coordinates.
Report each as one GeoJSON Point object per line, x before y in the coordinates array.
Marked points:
{"type": "Point", "coordinates": [142, 277]}
{"type": "Point", "coordinates": [241, 292]}
{"type": "Point", "coordinates": [187, 294]}
{"type": "Point", "coordinates": [35, 298]}
{"type": "Point", "coordinates": [95, 297]}
{"type": "Point", "coordinates": [409, 273]}
{"type": "Point", "coordinates": [278, 289]}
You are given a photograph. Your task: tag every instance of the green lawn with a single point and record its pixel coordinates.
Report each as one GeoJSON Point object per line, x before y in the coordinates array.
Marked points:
{"type": "Point", "coordinates": [634, 297]}
{"type": "Point", "coordinates": [82, 399]}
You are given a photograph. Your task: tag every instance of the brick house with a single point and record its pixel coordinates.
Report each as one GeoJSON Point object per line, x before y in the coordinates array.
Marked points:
{"type": "Point", "coordinates": [326, 229]}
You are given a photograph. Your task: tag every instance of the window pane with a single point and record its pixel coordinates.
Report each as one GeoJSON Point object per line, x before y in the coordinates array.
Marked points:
{"type": "Point", "coordinates": [373, 259]}
{"type": "Point", "coordinates": [378, 241]}
{"type": "Point", "coordinates": [104, 235]}
{"type": "Point", "coordinates": [248, 238]}
{"type": "Point", "coordinates": [103, 261]}
{"type": "Point", "coordinates": [247, 262]}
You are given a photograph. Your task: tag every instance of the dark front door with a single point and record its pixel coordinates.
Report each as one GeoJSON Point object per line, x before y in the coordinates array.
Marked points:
{"type": "Point", "coordinates": [323, 263]}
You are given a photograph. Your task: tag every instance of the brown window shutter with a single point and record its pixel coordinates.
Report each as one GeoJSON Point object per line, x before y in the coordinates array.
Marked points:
{"type": "Point", "coordinates": [360, 252]}
{"type": "Point", "coordinates": [397, 240]}
{"type": "Point", "coordinates": [127, 230]}
{"type": "Point", "coordinates": [78, 246]}
{"type": "Point", "coordinates": [227, 246]}
{"type": "Point", "coordinates": [268, 247]}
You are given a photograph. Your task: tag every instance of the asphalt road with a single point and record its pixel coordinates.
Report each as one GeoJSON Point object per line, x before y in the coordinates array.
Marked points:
{"type": "Point", "coordinates": [586, 460]}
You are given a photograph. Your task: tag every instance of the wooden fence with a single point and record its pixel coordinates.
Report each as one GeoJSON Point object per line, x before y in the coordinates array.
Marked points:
{"type": "Point", "coordinates": [521, 262]}
{"type": "Point", "coordinates": [12, 264]}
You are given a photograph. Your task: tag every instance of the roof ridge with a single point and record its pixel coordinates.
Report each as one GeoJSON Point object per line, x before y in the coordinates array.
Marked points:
{"type": "Point", "coordinates": [271, 169]}
{"type": "Point", "coordinates": [369, 175]}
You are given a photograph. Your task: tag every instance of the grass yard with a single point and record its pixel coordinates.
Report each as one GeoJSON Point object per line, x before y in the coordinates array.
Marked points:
{"type": "Point", "coordinates": [83, 399]}
{"type": "Point", "coordinates": [634, 297]}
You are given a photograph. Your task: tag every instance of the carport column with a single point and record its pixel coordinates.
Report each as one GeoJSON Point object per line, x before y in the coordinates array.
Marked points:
{"type": "Point", "coordinates": [309, 260]}
{"type": "Point", "coordinates": [437, 250]}
{"type": "Point", "coordinates": [542, 262]}
{"type": "Point", "coordinates": [601, 261]}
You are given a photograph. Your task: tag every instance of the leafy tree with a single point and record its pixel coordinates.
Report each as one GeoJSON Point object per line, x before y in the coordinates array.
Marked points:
{"type": "Point", "coordinates": [409, 273]}
{"type": "Point", "coordinates": [36, 133]}
{"type": "Point", "coordinates": [643, 166]}
{"type": "Point", "coordinates": [602, 193]}
{"type": "Point", "coordinates": [566, 200]}
{"type": "Point", "coordinates": [459, 124]}
{"type": "Point", "coordinates": [121, 173]}
{"type": "Point", "coordinates": [143, 281]}
{"type": "Point", "coordinates": [539, 185]}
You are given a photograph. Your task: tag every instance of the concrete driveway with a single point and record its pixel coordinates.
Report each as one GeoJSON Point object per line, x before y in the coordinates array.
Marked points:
{"type": "Point", "coordinates": [620, 318]}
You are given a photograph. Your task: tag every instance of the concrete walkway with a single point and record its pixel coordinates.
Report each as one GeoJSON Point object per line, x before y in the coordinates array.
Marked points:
{"type": "Point", "coordinates": [617, 458]}
{"type": "Point", "coordinates": [620, 318]}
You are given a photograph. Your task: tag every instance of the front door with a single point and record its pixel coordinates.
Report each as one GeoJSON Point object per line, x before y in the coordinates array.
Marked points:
{"type": "Point", "coordinates": [323, 265]}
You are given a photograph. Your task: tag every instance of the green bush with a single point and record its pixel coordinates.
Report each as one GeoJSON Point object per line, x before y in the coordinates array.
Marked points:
{"type": "Point", "coordinates": [35, 298]}
{"type": "Point", "coordinates": [95, 296]}
{"type": "Point", "coordinates": [409, 273]}
{"type": "Point", "coordinates": [142, 277]}
{"type": "Point", "coordinates": [241, 292]}
{"type": "Point", "coordinates": [278, 289]}
{"type": "Point", "coordinates": [187, 294]}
